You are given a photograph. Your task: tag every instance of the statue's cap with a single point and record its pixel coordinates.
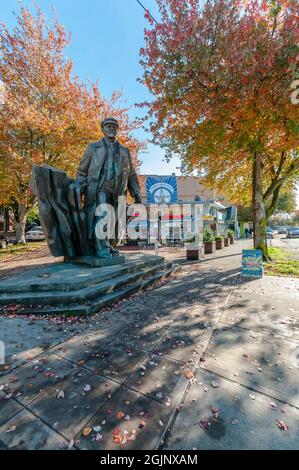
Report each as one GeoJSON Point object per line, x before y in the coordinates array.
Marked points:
{"type": "Point", "coordinates": [109, 120]}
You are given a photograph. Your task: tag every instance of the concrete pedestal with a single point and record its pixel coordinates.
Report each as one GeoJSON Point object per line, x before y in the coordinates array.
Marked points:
{"type": "Point", "coordinates": [74, 289]}
{"type": "Point", "coordinates": [97, 262]}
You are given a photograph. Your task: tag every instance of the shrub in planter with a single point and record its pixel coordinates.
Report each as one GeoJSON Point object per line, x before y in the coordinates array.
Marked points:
{"type": "Point", "coordinates": [219, 242]}
{"type": "Point", "coordinates": [209, 242]}
{"type": "Point", "coordinates": [231, 235]}
{"type": "Point", "coordinates": [208, 236]}
{"type": "Point", "coordinates": [193, 246]}
{"type": "Point", "coordinates": [226, 241]}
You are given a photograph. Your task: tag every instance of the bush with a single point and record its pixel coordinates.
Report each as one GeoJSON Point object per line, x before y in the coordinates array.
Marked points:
{"type": "Point", "coordinates": [218, 237]}
{"type": "Point", "coordinates": [208, 236]}
{"type": "Point", "coordinates": [230, 233]}
{"type": "Point", "coordinates": [191, 237]}
{"type": "Point", "coordinates": [33, 215]}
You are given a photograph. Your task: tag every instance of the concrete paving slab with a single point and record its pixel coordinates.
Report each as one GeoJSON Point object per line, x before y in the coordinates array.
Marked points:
{"type": "Point", "coordinates": [144, 335]}
{"type": "Point", "coordinates": [266, 288]}
{"type": "Point", "coordinates": [159, 378]}
{"type": "Point", "coordinates": [231, 417]}
{"type": "Point", "coordinates": [128, 421]}
{"type": "Point", "coordinates": [255, 360]}
{"type": "Point", "coordinates": [117, 360]}
{"type": "Point", "coordinates": [8, 406]}
{"type": "Point", "coordinates": [30, 434]}
{"type": "Point", "coordinates": [188, 335]}
{"type": "Point", "coordinates": [83, 394]}
{"type": "Point", "coordinates": [173, 309]}
{"type": "Point", "coordinates": [33, 379]}
{"type": "Point", "coordinates": [82, 347]}
{"type": "Point", "coordinates": [183, 346]}
{"type": "Point", "coordinates": [24, 339]}
{"type": "Point", "coordinates": [278, 318]}
{"type": "Point", "coordinates": [201, 312]}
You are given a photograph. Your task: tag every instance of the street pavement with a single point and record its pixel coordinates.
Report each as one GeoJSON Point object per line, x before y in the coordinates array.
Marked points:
{"type": "Point", "coordinates": [204, 360]}
{"type": "Point", "coordinates": [289, 244]}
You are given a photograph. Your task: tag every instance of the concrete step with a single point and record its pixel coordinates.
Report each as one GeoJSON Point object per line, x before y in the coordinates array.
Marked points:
{"type": "Point", "coordinates": [84, 294]}
{"type": "Point", "coordinates": [92, 306]}
{"type": "Point", "coordinates": [71, 277]}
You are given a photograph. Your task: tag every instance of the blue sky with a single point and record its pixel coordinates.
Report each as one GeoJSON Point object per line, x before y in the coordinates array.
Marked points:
{"type": "Point", "coordinates": [106, 38]}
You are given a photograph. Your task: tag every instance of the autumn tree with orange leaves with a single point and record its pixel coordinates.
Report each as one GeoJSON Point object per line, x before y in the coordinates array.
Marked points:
{"type": "Point", "coordinates": [46, 115]}
{"type": "Point", "coordinates": [222, 73]}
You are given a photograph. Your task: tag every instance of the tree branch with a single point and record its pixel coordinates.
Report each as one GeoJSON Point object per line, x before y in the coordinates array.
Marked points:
{"type": "Point", "coordinates": [271, 208]}
{"type": "Point", "coordinates": [276, 182]}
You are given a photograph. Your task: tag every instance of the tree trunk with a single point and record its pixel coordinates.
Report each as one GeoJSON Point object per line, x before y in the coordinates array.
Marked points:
{"type": "Point", "coordinates": [6, 220]}
{"type": "Point", "coordinates": [21, 224]}
{"type": "Point", "coordinates": [259, 210]}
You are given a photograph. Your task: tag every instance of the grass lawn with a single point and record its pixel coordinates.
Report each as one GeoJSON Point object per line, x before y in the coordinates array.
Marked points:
{"type": "Point", "coordinates": [281, 264]}
{"type": "Point", "coordinates": [20, 249]}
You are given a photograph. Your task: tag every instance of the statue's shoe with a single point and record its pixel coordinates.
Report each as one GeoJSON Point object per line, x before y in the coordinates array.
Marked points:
{"type": "Point", "coordinates": [114, 252]}
{"type": "Point", "coordinates": [105, 253]}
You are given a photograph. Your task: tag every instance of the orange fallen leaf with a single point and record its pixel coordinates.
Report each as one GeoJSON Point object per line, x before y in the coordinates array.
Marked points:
{"type": "Point", "coordinates": [86, 432]}
{"type": "Point", "coordinates": [120, 415]}
{"type": "Point", "coordinates": [188, 374]}
{"type": "Point", "coordinates": [117, 439]}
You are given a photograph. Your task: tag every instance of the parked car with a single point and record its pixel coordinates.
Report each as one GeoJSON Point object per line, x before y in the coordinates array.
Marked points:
{"type": "Point", "coordinates": [31, 225]}
{"type": "Point", "coordinates": [36, 233]}
{"type": "Point", "coordinates": [3, 242]}
{"type": "Point", "coordinates": [293, 232]}
{"type": "Point", "coordinates": [281, 229]}
{"type": "Point", "coordinates": [269, 232]}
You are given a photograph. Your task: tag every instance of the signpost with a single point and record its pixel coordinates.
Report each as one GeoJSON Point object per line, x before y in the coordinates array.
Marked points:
{"type": "Point", "coordinates": [252, 263]}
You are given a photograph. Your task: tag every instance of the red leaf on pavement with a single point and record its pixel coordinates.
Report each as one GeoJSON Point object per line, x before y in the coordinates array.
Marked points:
{"type": "Point", "coordinates": [204, 423]}
{"type": "Point", "coordinates": [116, 431]}
{"type": "Point", "coordinates": [282, 425]}
{"type": "Point", "coordinates": [120, 414]}
{"type": "Point", "coordinates": [188, 374]}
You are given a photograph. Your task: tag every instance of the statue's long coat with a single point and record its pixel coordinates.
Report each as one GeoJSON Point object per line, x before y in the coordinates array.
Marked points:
{"type": "Point", "coordinates": [91, 176]}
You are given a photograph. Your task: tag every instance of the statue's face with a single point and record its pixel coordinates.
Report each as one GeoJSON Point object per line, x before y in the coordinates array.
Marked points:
{"type": "Point", "coordinates": [110, 130]}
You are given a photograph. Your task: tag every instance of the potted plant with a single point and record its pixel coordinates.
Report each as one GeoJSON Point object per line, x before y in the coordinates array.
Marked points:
{"type": "Point", "coordinates": [231, 235]}
{"type": "Point", "coordinates": [193, 246]}
{"type": "Point", "coordinates": [209, 242]}
{"type": "Point", "coordinates": [226, 239]}
{"type": "Point", "coordinates": [219, 242]}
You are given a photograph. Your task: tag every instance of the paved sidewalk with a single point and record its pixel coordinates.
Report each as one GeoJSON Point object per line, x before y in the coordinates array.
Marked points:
{"type": "Point", "coordinates": [205, 360]}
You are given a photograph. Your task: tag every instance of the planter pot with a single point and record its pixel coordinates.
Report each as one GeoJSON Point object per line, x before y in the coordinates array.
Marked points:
{"type": "Point", "coordinates": [219, 244]}
{"type": "Point", "coordinates": [193, 251]}
{"type": "Point", "coordinates": [231, 240]}
{"type": "Point", "coordinates": [226, 241]}
{"type": "Point", "coordinates": [210, 247]}
{"type": "Point", "coordinates": [193, 255]}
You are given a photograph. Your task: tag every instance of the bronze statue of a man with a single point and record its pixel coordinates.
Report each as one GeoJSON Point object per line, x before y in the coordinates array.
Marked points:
{"type": "Point", "coordinates": [105, 173]}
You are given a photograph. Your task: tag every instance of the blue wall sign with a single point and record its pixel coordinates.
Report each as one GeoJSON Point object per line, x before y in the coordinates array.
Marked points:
{"type": "Point", "coordinates": [161, 190]}
{"type": "Point", "coordinates": [252, 263]}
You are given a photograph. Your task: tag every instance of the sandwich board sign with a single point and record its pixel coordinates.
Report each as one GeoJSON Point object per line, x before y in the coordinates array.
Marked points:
{"type": "Point", "coordinates": [252, 263]}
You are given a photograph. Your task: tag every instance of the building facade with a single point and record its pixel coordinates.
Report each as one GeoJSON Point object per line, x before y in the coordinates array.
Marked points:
{"type": "Point", "coordinates": [186, 203]}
